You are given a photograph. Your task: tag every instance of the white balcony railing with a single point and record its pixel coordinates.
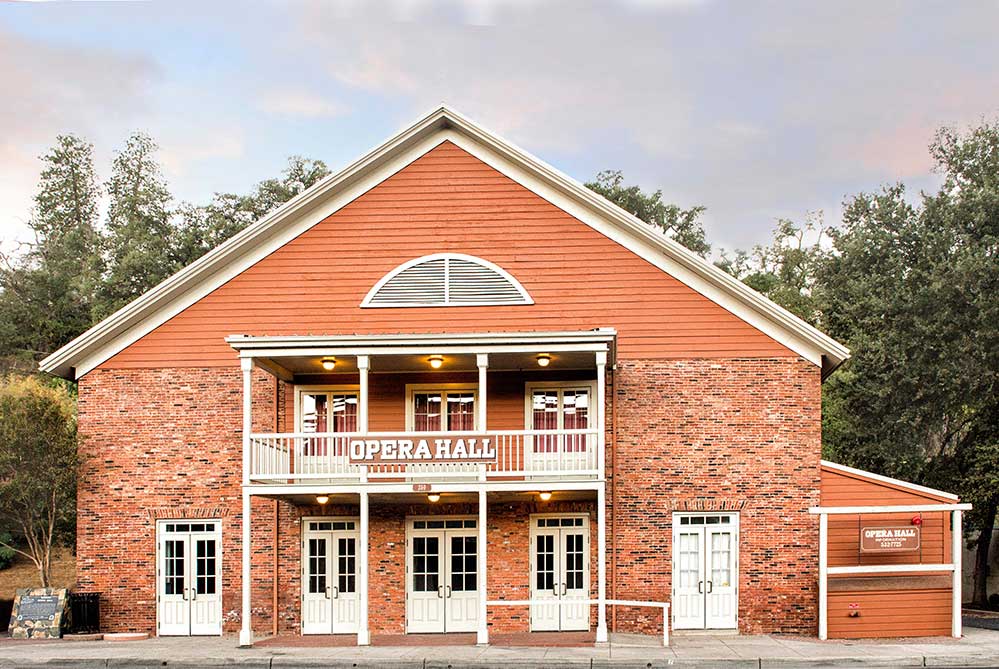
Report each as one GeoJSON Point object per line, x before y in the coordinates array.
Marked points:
{"type": "Point", "coordinates": [512, 455]}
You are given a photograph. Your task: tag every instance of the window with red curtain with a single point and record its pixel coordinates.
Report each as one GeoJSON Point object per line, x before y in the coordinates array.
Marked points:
{"type": "Point", "coordinates": [327, 412]}
{"type": "Point", "coordinates": [557, 409]}
{"type": "Point", "coordinates": [444, 411]}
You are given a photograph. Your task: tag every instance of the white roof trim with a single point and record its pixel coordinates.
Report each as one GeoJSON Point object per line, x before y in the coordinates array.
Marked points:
{"type": "Point", "coordinates": [255, 242]}
{"type": "Point", "coordinates": [525, 298]}
{"type": "Point", "coordinates": [890, 481]}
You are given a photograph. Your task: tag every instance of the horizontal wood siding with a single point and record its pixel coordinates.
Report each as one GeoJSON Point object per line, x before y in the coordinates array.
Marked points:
{"type": "Point", "coordinates": [843, 489]}
{"type": "Point", "coordinates": [890, 613]}
{"type": "Point", "coordinates": [505, 403]}
{"type": "Point", "coordinates": [449, 201]}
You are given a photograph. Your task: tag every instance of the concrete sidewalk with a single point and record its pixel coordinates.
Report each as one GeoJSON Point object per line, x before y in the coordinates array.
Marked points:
{"type": "Point", "coordinates": [979, 648]}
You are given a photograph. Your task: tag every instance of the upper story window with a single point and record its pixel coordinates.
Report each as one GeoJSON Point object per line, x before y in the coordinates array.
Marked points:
{"type": "Point", "coordinates": [327, 410]}
{"type": "Point", "coordinates": [447, 279]}
{"type": "Point", "coordinates": [447, 408]}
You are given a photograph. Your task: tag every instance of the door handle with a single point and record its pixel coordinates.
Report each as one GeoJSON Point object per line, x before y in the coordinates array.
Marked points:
{"type": "Point", "coordinates": [448, 587]}
{"type": "Point", "coordinates": [327, 592]}
{"type": "Point", "coordinates": [194, 594]}
{"type": "Point", "coordinates": [555, 590]}
{"type": "Point", "coordinates": [711, 587]}
{"type": "Point", "coordinates": [336, 592]}
{"type": "Point", "coordinates": [565, 589]}
{"type": "Point", "coordinates": [183, 594]}
{"type": "Point", "coordinates": [440, 592]}
{"type": "Point", "coordinates": [700, 587]}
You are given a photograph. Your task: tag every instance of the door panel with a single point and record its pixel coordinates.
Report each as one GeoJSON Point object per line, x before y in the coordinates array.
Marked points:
{"type": "Point", "coordinates": [705, 571]}
{"type": "Point", "coordinates": [442, 593]}
{"type": "Point", "coordinates": [425, 596]}
{"type": "Point", "coordinates": [345, 596]}
{"type": "Point", "coordinates": [316, 608]}
{"type": "Point", "coordinates": [189, 572]}
{"type": "Point", "coordinates": [330, 600]}
{"type": "Point", "coordinates": [560, 576]}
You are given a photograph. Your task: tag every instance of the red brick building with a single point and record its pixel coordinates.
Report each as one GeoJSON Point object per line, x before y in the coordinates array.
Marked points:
{"type": "Point", "coordinates": [449, 389]}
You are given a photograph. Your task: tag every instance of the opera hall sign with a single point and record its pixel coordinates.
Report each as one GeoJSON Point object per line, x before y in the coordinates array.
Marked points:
{"type": "Point", "coordinates": [423, 449]}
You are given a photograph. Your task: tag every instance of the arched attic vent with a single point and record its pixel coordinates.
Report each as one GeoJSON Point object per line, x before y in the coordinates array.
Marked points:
{"type": "Point", "coordinates": [446, 280]}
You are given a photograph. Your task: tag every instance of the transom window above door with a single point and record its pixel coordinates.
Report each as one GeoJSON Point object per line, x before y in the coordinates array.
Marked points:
{"type": "Point", "coordinates": [441, 409]}
{"type": "Point", "coordinates": [327, 410]}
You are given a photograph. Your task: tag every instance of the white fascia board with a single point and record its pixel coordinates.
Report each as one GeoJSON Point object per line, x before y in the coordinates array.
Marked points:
{"type": "Point", "coordinates": [887, 479]}
{"type": "Point", "coordinates": [894, 508]}
{"type": "Point", "coordinates": [656, 248]}
{"type": "Point", "coordinates": [601, 336]}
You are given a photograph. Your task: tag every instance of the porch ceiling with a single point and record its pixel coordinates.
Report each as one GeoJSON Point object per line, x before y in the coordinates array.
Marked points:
{"type": "Point", "coordinates": [463, 362]}
{"type": "Point", "coordinates": [447, 498]}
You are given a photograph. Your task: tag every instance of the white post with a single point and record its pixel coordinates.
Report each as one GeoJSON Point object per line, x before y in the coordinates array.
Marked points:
{"type": "Point", "coordinates": [363, 635]}
{"type": "Point", "coordinates": [602, 565]}
{"type": "Point", "coordinates": [246, 631]}
{"type": "Point", "coordinates": [482, 636]}
{"type": "Point", "coordinates": [823, 576]}
{"type": "Point", "coordinates": [363, 363]}
{"type": "Point", "coordinates": [601, 361]}
{"type": "Point", "coordinates": [247, 366]}
{"type": "Point", "coordinates": [955, 558]}
{"type": "Point", "coordinates": [482, 361]}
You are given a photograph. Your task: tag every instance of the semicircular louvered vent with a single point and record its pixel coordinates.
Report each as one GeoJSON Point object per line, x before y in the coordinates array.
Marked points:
{"type": "Point", "coordinates": [446, 279]}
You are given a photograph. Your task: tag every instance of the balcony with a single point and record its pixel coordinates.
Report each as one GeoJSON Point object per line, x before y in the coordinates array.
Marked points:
{"type": "Point", "coordinates": [518, 455]}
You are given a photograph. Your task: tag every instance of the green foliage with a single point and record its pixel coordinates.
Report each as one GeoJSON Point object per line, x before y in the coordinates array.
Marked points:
{"type": "Point", "coordinates": [6, 552]}
{"type": "Point", "coordinates": [683, 225]}
{"type": "Point", "coordinates": [140, 234]}
{"type": "Point", "coordinates": [38, 464]}
{"type": "Point", "coordinates": [46, 294]}
{"type": "Point", "coordinates": [785, 271]}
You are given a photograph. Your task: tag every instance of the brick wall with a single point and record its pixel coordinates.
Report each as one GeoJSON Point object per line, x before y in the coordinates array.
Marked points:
{"type": "Point", "coordinates": [164, 443]}
{"type": "Point", "coordinates": [720, 434]}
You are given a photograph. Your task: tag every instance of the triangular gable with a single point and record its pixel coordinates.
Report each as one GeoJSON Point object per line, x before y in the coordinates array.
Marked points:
{"type": "Point", "coordinates": [317, 204]}
{"type": "Point", "coordinates": [847, 486]}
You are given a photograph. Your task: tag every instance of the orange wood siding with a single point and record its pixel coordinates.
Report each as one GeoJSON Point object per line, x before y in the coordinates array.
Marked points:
{"type": "Point", "coordinates": [449, 201]}
{"type": "Point", "coordinates": [890, 613]}
{"type": "Point", "coordinates": [843, 489]}
{"type": "Point", "coordinates": [505, 410]}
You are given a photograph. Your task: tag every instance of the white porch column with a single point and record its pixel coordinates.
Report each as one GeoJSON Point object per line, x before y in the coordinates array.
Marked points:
{"type": "Point", "coordinates": [823, 576]}
{"type": "Point", "coordinates": [363, 635]}
{"type": "Point", "coordinates": [482, 636]}
{"type": "Point", "coordinates": [482, 361]}
{"type": "Point", "coordinates": [362, 421]}
{"type": "Point", "coordinates": [246, 631]}
{"type": "Point", "coordinates": [246, 364]}
{"type": "Point", "coordinates": [602, 565]}
{"type": "Point", "coordinates": [601, 361]}
{"type": "Point", "coordinates": [955, 558]}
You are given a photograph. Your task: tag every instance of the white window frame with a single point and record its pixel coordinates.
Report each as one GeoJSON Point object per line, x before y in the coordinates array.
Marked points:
{"type": "Point", "coordinates": [319, 389]}
{"type": "Point", "coordinates": [531, 386]}
{"type": "Point", "coordinates": [443, 388]}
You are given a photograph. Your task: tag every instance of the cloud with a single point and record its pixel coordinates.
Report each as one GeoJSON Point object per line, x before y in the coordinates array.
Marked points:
{"type": "Point", "coordinates": [52, 89]}
{"type": "Point", "coordinates": [301, 103]}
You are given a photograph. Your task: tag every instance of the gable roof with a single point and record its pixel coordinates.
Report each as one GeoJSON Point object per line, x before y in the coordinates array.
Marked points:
{"type": "Point", "coordinates": [887, 481]}
{"type": "Point", "coordinates": [291, 219]}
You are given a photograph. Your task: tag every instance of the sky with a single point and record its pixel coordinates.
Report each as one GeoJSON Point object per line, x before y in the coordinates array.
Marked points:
{"type": "Point", "coordinates": [754, 110]}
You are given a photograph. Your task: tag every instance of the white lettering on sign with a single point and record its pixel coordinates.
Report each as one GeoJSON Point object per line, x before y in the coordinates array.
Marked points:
{"type": "Point", "coordinates": [431, 449]}
{"type": "Point", "coordinates": [889, 539]}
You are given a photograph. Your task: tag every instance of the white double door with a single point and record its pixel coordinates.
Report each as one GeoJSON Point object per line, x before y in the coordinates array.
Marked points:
{"type": "Point", "coordinates": [705, 571]}
{"type": "Point", "coordinates": [189, 578]}
{"type": "Point", "coordinates": [442, 593]}
{"type": "Point", "coordinates": [560, 573]}
{"type": "Point", "coordinates": [330, 599]}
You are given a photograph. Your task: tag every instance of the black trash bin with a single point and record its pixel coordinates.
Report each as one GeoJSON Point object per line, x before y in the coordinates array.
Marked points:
{"type": "Point", "coordinates": [84, 612]}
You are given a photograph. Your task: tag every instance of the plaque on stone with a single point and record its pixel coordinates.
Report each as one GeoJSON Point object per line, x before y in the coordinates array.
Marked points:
{"type": "Point", "coordinates": [38, 613]}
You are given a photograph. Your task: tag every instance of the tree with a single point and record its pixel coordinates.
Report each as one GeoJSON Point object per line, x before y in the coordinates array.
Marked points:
{"type": "Point", "coordinates": [914, 291]}
{"type": "Point", "coordinates": [140, 251]}
{"type": "Point", "coordinates": [683, 225]}
{"type": "Point", "coordinates": [38, 464]}
{"type": "Point", "coordinates": [786, 270]}
{"type": "Point", "coordinates": [48, 291]}
{"type": "Point", "coordinates": [204, 227]}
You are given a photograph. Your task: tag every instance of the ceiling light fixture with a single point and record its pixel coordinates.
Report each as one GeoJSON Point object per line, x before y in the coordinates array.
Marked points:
{"type": "Point", "coordinates": [436, 361]}
{"type": "Point", "coordinates": [433, 497]}
{"type": "Point", "coordinates": [544, 359]}
{"type": "Point", "coordinates": [329, 364]}
{"type": "Point", "coordinates": [322, 499]}
{"type": "Point", "coordinates": [545, 495]}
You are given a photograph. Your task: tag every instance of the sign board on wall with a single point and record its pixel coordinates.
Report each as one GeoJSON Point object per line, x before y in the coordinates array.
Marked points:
{"type": "Point", "coordinates": [901, 539]}
{"type": "Point", "coordinates": [37, 613]}
{"type": "Point", "coordinates": [422, 449]}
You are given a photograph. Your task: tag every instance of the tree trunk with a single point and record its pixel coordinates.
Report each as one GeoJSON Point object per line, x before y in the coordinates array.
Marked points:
{"type": "Point", "coordinates": [980, 594]}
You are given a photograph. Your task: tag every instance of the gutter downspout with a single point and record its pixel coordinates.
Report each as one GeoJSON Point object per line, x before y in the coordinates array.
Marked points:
{"type": "Point", "coordinates": [613, 523]}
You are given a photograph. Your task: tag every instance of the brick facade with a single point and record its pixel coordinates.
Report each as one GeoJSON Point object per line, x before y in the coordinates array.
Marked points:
{"type": "Point", "coordinates": [738, 433]}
